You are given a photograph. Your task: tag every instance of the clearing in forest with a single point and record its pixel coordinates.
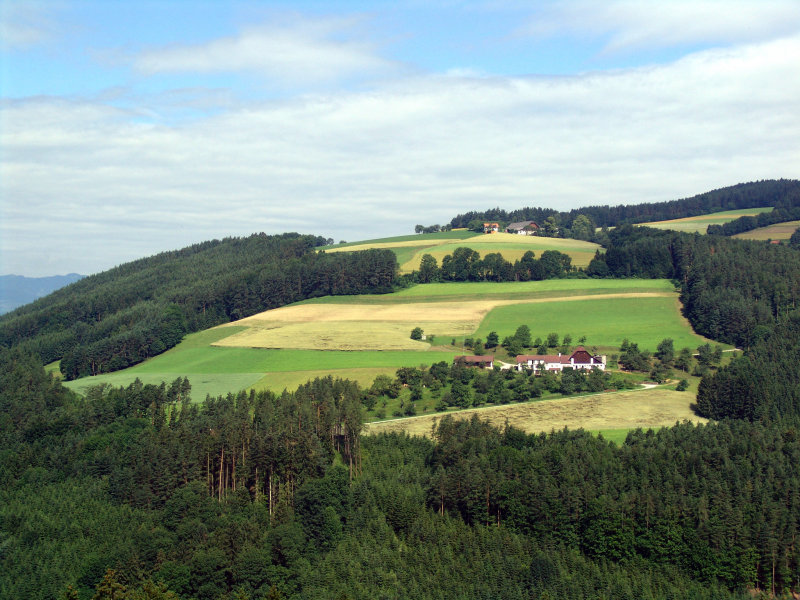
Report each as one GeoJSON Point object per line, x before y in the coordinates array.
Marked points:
{"type": "Point", "coordinates": [653, 408]}
{"type": "Point", "coordinates": [363, 336]}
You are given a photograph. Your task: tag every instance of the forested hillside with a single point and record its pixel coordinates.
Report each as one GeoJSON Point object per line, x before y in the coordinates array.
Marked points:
{"type": "Point", "coordinates": [778, 193]}
{"type": "Point", "coordinates": [136, 493]}
{"type": "Point", "coordinates": [737, 291]}
{"type": "Point", "coordinates": [120, 317]}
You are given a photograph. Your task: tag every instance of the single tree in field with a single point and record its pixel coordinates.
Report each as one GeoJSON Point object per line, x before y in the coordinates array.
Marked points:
{"type": "Point", "coordinates": [428, 269]}
{"type": "Point", "coordinates": [523, 336]}
{"type": "Point", "coordinates": [684, 359]}
{"type": "Point", "coordinates": [416, 333]}
{"type": "Point", "coordinates": [492, 339]}
{"type": "Point", "coordinates": [666, 352]}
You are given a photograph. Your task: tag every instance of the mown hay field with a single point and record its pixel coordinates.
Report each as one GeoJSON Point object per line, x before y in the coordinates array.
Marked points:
{"type": "Point", "coordinates": [778, 231]}
{"type": "Point", "coordinates": [604, 318]}
{"type": "Point", "coordinates": [701, 222]}
{"type": "Point", "coordinates": [653, 408]}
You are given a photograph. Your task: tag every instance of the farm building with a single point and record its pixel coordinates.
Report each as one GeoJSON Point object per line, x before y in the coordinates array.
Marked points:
{"type": "Point", "coordinates": [580, 359]}
{"type": "Point", "coordinates": [486, 362]}
{"type": "Point", "coordinates": [491, 227]}
{"type": "Point", "coordinates": [523, 228]}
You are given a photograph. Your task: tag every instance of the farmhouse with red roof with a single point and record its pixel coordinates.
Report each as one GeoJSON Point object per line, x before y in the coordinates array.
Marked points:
{"type": "Point", "coordinates": [579, 359]}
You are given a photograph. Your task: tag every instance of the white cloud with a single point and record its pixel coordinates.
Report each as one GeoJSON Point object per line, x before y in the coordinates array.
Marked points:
{"type": "Point", "coordinates": [84, 186]}
{"type": "Point", "coordinates": [632, 24]}
{"type": "Point", "coordinates": [24, 24]}
{"type": "Point", "coordinates": [297, 51]}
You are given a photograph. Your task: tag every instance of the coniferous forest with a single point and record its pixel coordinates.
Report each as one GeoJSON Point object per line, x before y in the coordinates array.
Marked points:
{"type": "Point", "coordinates": [143, 493]}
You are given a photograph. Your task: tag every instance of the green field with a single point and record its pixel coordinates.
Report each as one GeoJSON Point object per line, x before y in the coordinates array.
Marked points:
{"type": "Point", "coordinates": [561, 306]}
{"type": "Point", "coordinates": [605, 322]}
{"type": "Point", "coordinates": [700, 223]}
{"type": "Point", "coordinates": [484, 290]}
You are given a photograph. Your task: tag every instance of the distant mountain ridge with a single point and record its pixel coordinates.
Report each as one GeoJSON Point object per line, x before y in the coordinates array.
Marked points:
{"type": "Point", "coordinates": [18, 290]}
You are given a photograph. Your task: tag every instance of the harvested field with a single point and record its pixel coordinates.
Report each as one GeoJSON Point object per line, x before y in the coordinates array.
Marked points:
{"type": "Point", "coordinates": [778, 231]}
{"type": "Point", "coordinates": [699, 223]}
{"type": "Point", "coordinates": [657, 407]}
{"type": "Point", "coordinates": [409, 249]}
{"type": "Point", "coordinates": [511, 246]}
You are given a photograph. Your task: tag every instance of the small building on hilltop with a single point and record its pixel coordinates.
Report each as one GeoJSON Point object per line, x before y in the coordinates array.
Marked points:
{"type": "Point", "coordinates": [491, 227]}
{"type": "Point", "coordinates": [523, 228]}
{"type": "Point", "coordinates": [484, 362]}
{"type": "Point", "coordinates": [580, 359]}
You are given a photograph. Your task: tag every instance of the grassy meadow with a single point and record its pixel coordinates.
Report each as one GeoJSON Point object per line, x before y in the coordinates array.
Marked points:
{"type": "Point", "coordinates": [778, 231]}
{"type": "Point", "coordinates": [604, 321]}
{"type": "Point", "coordinates": [700, 223]}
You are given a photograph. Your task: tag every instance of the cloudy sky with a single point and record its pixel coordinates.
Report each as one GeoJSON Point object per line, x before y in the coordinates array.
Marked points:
{"type": "Point", "coordinates": [129, 128]}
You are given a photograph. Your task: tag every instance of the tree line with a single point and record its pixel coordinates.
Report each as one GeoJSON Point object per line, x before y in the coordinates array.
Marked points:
{"type": "Point", "coordinates": [118, 318]}
{"type": "Point", "coordinates": [744, 195]}
{"type": "Point", "coordinates": [466, 264]}
{"type": "Point", "coordinates": [748, 222]}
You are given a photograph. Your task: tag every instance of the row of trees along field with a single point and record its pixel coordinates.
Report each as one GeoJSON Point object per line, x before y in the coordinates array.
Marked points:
{"type": "Point", "coordinates": [748, 223]}
{"type": "Point", "coordinates": [137, 494]}
{"type": "Point", "coordinates": [781, 192]}
{"type": "Point", "coordinates": [466, 264]}
{"type": "Point", "coordinates": [120, 317]}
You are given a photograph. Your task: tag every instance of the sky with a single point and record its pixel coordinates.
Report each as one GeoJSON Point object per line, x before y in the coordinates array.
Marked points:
{"type": "Point", "coordinates": [132, 128]}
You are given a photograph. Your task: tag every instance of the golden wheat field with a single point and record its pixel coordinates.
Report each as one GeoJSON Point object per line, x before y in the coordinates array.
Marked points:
{"type": "Point", "coordinates": [653, 408]}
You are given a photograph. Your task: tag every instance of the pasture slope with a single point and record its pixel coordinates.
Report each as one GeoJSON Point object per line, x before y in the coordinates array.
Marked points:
{"type": "Point", "coordinates": [700, 223]}
{"type": "Point", "coordinates": [410, 249]}
{"type": "Point", "coordinates": [285, 347]}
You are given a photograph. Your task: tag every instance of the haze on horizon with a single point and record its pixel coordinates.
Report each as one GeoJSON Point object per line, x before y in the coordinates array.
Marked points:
{"type": "Point", "coordinates": [126, 130]}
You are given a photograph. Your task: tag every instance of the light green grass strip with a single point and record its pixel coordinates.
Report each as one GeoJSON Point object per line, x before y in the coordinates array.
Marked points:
{"type": "Point", "coordinates": [465, 291]}
{"type": "Point", "coordinates": [423, 238]}
{"type": "Point", "coordinates": [617, 436]}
